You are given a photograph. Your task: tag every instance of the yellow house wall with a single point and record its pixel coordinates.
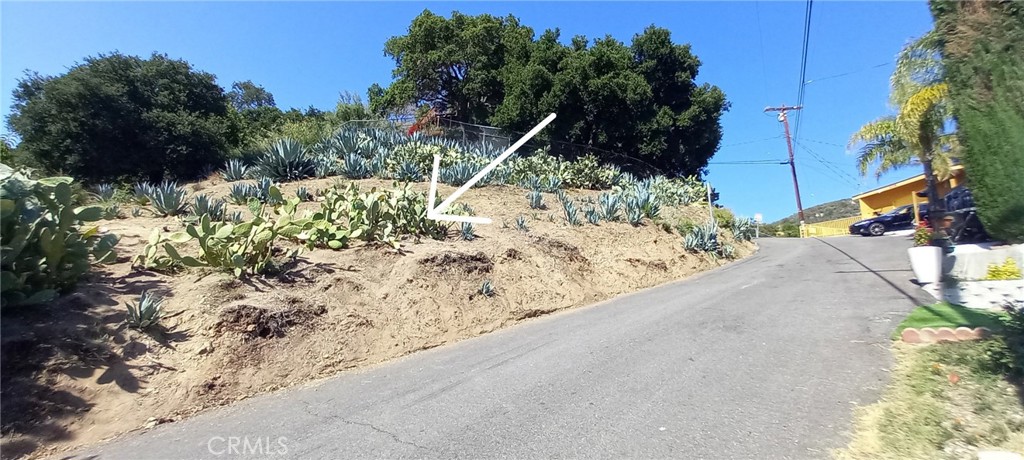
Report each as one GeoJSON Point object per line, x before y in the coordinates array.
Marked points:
{"type": "Point", "coordinates": [888, 200]}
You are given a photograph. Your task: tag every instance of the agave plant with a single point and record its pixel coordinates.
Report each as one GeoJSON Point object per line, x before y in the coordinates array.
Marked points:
{"type": "Point", "coordinates": [142, 191]}
{"type": "Point", "coordinates": [203, 205]}
{"type": "Point", "coordinates": [235, 217]}
{"type": "Point", "coordinates": [355, 166]}
{"type": "Point", "coordinates": [521, 224]}
{"type": "Point", "coordinates": [458, 174]}
{"type": "Point", "coordinates": [571, 213]}
{"type": "Point", "coordinates": [610, 203]}
{"type": "Point", "coordinates": [536, 199]}
{"type": "Point", "coordinates": [408, 171]}
{"type": "Point", "coordinates": [324, 166]}
{"type": "Point", "coordinates": [284, 160]}
{"type": "Point", "coordinates": [532, 183]}
{"type": "Point", "coordinates": [264, 194]}
{"type": "Point", "coordinates": [561, 195]}
{"type": "Point", "coordinates": [592, 215]}
{"type": "Point", "coordinates": [168, 199]}
{"type": "Point", "coordinates": [146, 313]}
{"type": "Point", "coordinates": [553, 183]}
{"type": "Point", "coordinates": [743, 228]}
{"type": "Point", "coordinates": [303, 193]}
{"type": "Point", "coordinates": [112, 211]}
{"type": "Point", "coordinates": [378, 165]}
{"type": "Point", "coordinates": [104, 192]}
{"type": "Point", "coordinates": [702, 238]}
{"type": "Point", "coordinates": [235, 170]}
{"type": "Point", "coordinates": [487, 289]}
{"type": "Point", "coordinates": [466, 231]}
{"type": "Point", "coordinates": [634, 211]}
{"type": "Point", "coordinates": [240, 193]}
{"type": "Point", "coordinates": [727, 251]}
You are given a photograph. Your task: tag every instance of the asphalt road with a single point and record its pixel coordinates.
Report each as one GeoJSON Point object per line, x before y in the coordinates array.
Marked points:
{"type": "Point", "coordinates": [763, 358]}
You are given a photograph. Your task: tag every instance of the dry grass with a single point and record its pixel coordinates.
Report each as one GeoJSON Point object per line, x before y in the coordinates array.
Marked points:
{"type": "Point", "coordinates": [945, 401]}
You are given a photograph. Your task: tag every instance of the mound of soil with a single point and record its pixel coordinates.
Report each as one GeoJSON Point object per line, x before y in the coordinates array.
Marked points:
{"type": "Point", "coordinates": [73, 374]}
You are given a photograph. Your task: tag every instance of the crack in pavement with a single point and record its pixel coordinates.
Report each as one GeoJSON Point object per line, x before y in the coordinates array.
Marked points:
{"type": "Point", "coordinates": [311, 411]}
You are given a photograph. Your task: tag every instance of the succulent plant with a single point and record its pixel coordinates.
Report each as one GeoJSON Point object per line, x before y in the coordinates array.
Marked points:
{"type": "Point", "coordinates": [48, 243]}
{"type": "Point", "coordinates": [355, 167]}
{"type": "Point", "coordinates": [536, 199]}
{"type": "Point", "coordinates": [104, 192]}
{"type": "Point", "coordinates": [240, 193]}
{"type": "Point", "coordinates": [634, 211]}
{"type": "Point", "coordinates": [743, 228]}
{"type": "Point", "coordinates": [203, 204]}
{"type": "Point", "coordinates": [303, 193]}
{"type": "Point", "coordinates": [702, 238]}
{"type": "Point", "coordinates": [147, 313]}
{"type": "Point", "coordinates": [235, 170]}
{"type": "Point", "coordinates": [284, 160]}
{"type": "Point", "coordinates": [487, 289]}
{"type": "Point", "coordinates": [571, 213]}
{"type": "Point", "coordinates": [466, 231]}
{"type": "Point", "coordinates": [168, 199]}
{"type": "Point", "coordinates": [521, 224]}
{"type": "Point", "coordinates": [142, 190]}
{"type": "Point", "coordinates": [458, 174]}
{"type": "Point", "coordinates": [408, 171]}
{"type": "Point", "coordinates": [610, 204]}
{"type": "Point", "coordinates": [727, 251]}
{"type": "Point", "coordinates": [592, 215]}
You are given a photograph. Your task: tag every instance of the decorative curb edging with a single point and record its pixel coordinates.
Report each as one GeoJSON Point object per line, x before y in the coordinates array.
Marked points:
{"type": "Point", "coordinates": [944, 334]}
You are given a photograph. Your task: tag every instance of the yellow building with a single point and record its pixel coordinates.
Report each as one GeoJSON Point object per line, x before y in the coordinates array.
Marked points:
{"type": "Point", "coordinates": [904, 192]}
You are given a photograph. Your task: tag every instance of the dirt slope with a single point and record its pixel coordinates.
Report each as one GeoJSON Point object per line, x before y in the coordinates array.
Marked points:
{"type": "Point", "coordinates": [73, 374]}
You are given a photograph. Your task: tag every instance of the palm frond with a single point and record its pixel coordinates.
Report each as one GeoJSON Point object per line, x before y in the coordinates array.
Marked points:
{"type": "Point", "coordinates": [918, 64]}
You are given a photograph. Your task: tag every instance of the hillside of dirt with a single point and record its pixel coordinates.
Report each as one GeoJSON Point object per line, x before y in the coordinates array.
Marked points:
{"type": "Point", "coordinates": [74, 374]}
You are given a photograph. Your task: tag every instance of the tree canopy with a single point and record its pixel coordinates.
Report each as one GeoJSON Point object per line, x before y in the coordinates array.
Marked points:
{"type": "Point", "coordinates": [117, 117]}
{"type": "Point", "coordinates": [639, 101]}
{"type": "Point", "coordinates": [983, 54]}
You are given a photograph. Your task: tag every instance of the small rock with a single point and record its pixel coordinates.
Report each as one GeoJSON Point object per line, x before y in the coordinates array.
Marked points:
{"type": "Point", "coordinates": [206, 347]}
{"type": "Point", "coordinates": [911, 335]}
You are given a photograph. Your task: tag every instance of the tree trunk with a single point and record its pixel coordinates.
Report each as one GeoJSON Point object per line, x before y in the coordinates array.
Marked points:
{"type": "Point", "coordinates": [936, 206]}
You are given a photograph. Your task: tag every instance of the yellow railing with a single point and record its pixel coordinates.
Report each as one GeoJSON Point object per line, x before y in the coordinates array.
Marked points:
{"type": "Point", "coordinates": [828, 228]}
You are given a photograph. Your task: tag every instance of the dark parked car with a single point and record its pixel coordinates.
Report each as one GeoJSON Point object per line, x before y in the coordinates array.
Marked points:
{"type": "Point", "coordinates": [898, 219]}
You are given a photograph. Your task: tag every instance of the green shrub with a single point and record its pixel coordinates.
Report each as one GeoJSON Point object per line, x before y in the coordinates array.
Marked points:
{"type": "Point", "coordinates": [685, 225]}
{"type": "Point", "coordinates": [1008, 270]}
{"type": "Point", "coordinates": [724, 218]}
{"type": "Point", "coordinates": [46, 246]}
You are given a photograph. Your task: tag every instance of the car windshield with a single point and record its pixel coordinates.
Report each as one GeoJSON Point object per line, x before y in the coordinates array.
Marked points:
{"type": "Point", "coordinates": [897, 211]}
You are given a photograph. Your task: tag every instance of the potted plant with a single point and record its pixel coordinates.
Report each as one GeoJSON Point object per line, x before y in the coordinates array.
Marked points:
{"type": "Point", "coordinates": [925, 258]}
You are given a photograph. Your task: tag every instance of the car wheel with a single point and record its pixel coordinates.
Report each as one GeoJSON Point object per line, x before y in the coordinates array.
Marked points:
{"type": "Point", "coordinates": [876, 229]}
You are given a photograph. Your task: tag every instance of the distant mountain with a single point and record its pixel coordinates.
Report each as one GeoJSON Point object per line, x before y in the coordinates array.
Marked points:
{"type": "Point", "coordinates": [827, 211]}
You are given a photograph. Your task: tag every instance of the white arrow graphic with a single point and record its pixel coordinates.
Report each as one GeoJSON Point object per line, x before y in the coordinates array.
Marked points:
{"type": "Point", "coordinates": [438, 212]}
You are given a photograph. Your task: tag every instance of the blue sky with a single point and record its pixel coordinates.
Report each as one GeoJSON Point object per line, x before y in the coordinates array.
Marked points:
{"type": "Point", "coordinates": [306, 53]}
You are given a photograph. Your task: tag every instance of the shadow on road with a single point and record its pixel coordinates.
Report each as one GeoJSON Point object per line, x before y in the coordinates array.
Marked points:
{"type": "Point", "coordinates": [912, 298]}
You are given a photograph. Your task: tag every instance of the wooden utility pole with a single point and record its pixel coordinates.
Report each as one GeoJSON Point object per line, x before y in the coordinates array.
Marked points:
{"type": "Point", "coordinates": [789, 144]}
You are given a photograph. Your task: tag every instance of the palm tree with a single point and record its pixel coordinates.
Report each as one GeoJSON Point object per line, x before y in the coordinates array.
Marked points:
{"type": "Point", "coordinates": [919, 132]}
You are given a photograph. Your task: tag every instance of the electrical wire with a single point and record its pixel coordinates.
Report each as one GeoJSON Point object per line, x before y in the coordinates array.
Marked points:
{"type": "Point", "coordinates": [751, 142]}
{"type": "Point", "coordinates": [814, 80]}
{"type": "Point", "coordinates": [846, 177]}
{"type": "Point", "coordinates": [803, 67]}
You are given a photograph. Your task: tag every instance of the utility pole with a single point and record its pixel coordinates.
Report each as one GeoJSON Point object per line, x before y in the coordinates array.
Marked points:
{"type": "Point", "coordinates": [789, 144]}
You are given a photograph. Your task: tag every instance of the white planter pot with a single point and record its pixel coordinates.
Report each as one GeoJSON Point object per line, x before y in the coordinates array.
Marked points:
{"type": "Point", "coordinates": [926, 261]}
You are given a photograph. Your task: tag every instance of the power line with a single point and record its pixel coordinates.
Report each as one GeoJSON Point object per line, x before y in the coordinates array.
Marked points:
{"type": "Point", "coordinates": [828, 165]}
{"type": "Point", "coordinates": [750, 142]}
{"type": "Point", "coordinates": [846, 73]}
{"type": "Point", "coordinates": [823, 142]}
{"type": "Point", "coordinates": [803, 66]}
{"type": "Point", "coordinates": [760, 39]}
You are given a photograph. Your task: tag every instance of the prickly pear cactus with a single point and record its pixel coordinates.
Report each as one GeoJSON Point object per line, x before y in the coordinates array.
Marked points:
{"type": "Point", "coordinates": [46, 244]}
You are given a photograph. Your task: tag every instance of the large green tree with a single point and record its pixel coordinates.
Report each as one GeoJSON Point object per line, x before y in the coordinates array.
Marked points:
{"type": "Point", "coordinates": [637, 106]}
{"type": "Point", "coordinates": [983, 50]}
{"type": "Point", "coordinates": [118, 117]}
